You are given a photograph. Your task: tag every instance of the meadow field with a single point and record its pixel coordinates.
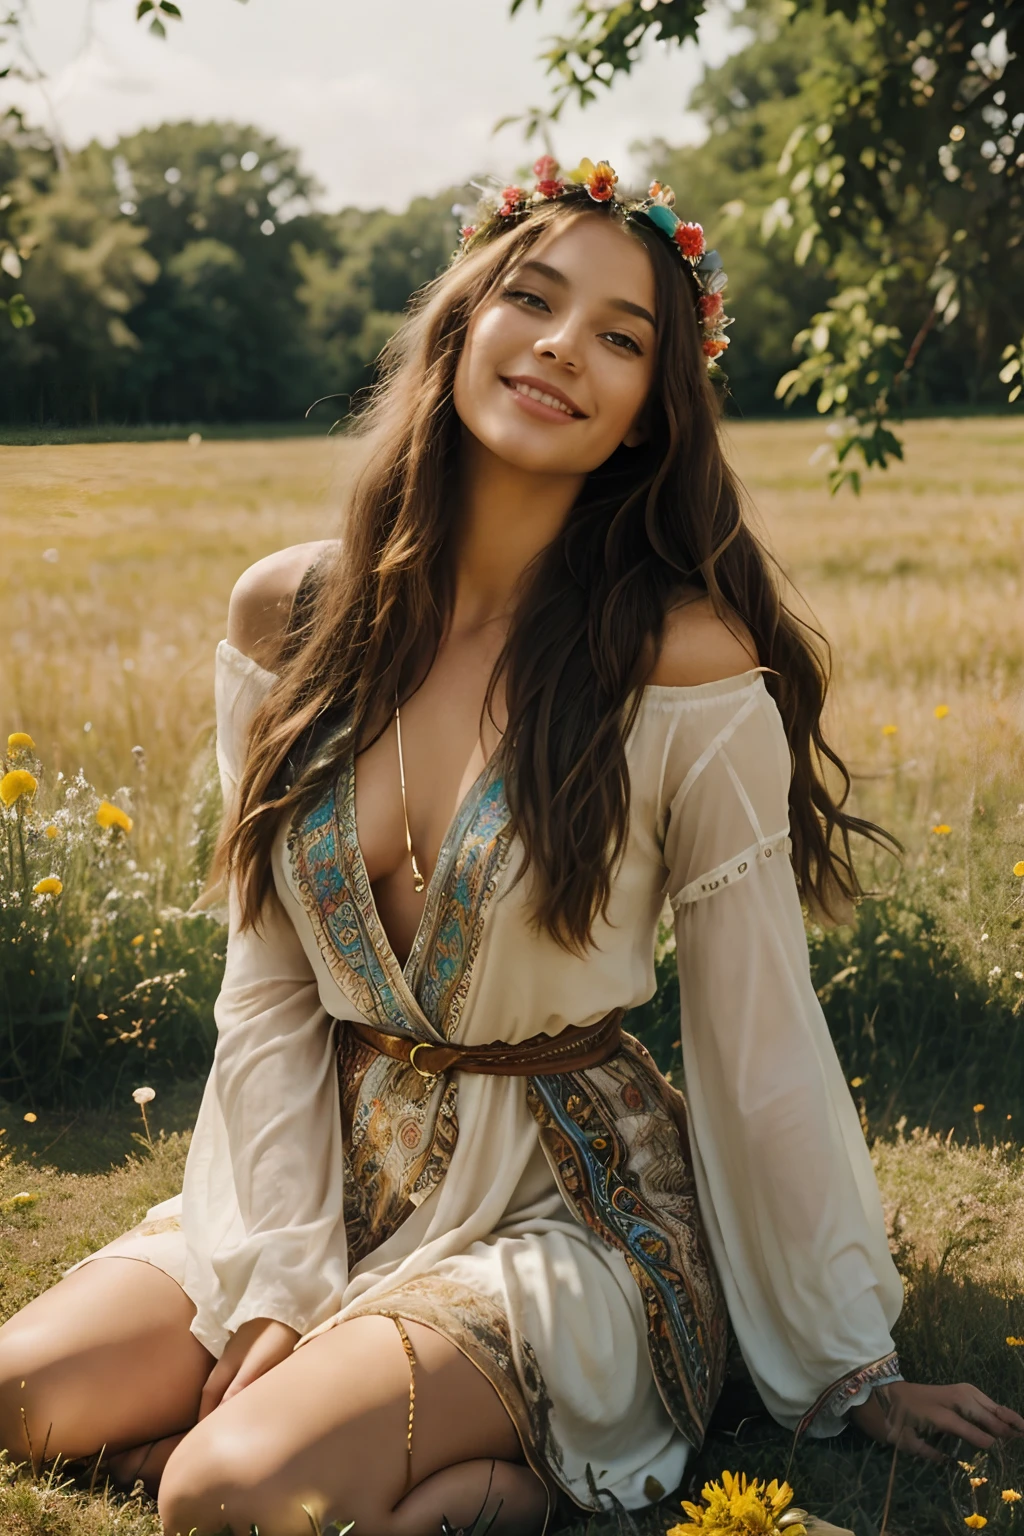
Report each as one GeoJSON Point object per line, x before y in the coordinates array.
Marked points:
{"type": "Point", "coordinates": [118, 564]}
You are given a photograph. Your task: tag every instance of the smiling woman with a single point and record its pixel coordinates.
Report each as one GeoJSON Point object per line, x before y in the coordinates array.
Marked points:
{"type": "Point", "coordinates": [591, 351]}
{"type": "Point", "coordinates": [448, 1242]}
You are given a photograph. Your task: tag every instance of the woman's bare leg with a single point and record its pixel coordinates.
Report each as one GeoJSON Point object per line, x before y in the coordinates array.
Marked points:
{"type": "Point", "coordinates": [327, 1428]}
{"type": "Point", "coordinates": [104, 1357]}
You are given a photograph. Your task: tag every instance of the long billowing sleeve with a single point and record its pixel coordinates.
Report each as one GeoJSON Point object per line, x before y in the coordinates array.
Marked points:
{"type": "Point", "coordinates": [784, 1176]}
{"type": "Point", "coordinates": [262, 1194]}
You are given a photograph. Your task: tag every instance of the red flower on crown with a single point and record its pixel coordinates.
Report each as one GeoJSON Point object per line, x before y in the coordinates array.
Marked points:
{"type": "Point", "coordinates": [690, 239]}
{"type": "Point", "coordinates": [511, 197]}
{"type": "Point", "coordinates": [467, 231]}
{"type": "Point", "coordinates": [549, 183]}
{"type": "Point", "coordinates": [717, 345]}
{"type": "Point", "coordinates": [710, 306]}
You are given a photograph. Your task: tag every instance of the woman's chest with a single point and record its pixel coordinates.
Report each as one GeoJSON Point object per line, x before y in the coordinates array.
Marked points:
{"type": "Point", "coordinates": [411, 781]}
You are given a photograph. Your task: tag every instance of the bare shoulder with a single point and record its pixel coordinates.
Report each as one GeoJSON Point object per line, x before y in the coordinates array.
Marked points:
{"type": "Point", "coordinates": [261, 599]}
{"type": "Point", "coordinates": [699, 647]}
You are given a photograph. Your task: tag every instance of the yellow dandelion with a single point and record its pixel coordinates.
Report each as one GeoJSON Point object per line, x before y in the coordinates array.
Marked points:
{"type": "Point", "coordinates": [740, 1503]}
{"type": "Point", "coordinates": [140, 938]}
{"type": "Point", "coordinates": [978, 1482]}
{"type": "Point", "coordinates": [51, 886]}
{"type": "Point", "coordinates": [20, 741]}
{"type": "Point", "coordinates": [1018, 868]}
{"type": "Point", "coordinates": [1010, 1496]}
{"type": "Point", "coordinates": [943, 829]}
{"type": "Point", "coordinates": [856, 1082]}
{"type": "Point", "coordinates": [978, 1108]}
{"type": "Point", "coordinates": [31, 1118]}
{"type": "Point", "coordinates": [52, 830]}
{"type": "Point", "coordinates": [976, 1522]}
{"type": "Point", "coordinates": [109, 815]}
{"type": "Point", "coordinates": [16, 783]}
{"type": "Point", "coordinates": [941, 711]}
{"type": "Point", "coordinates": [1014, 1343]}
{"type": "Point", "coordinates": [889, 730]}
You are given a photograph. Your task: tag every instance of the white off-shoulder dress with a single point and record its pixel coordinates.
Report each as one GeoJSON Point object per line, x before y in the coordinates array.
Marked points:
{"type": "Point", "coordinates": [324, 1180]}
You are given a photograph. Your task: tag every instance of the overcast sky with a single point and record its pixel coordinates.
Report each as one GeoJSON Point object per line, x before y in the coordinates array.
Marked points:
{"type": "Point", "coordinates": [385, 98]}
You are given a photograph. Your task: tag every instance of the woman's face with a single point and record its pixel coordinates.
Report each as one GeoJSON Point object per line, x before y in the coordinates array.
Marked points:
{"type": "Point", "coordinates": [558, 363]}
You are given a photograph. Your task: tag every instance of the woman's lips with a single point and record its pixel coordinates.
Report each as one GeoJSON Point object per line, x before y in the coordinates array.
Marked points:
{"type": "Point", "coordinates": [544, 403]}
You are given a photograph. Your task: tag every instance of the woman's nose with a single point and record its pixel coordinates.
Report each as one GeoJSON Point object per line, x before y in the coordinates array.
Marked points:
{"type": "Point", "coordinates": [560, 346]}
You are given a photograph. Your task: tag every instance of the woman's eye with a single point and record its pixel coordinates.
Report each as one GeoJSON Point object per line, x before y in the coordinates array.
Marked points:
{"type": "Point", "coordinates": [534, 301]}
{"type": "Point", "coordinates": [521, 293]}
{"type": "Point", "coordinates": [622, 340]}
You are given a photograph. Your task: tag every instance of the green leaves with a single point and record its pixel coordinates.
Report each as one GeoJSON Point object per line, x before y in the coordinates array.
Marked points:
{"type": "Point", "coordinates": [18, 310]}
{"type": "Point", "coordinates": [853, 359]}
{"type": "Point", "coordinates": [157, 10]}
{"type": "Point", "coordinates": [909, 156]}
{"type": "Point", "coordinates": [603, 41]}
{"type": "Point", "coordinates": [1012, 370]}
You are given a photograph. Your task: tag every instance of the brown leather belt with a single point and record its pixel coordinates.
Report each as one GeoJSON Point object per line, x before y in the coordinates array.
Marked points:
{"type": "Point", "coordinates": [574, 1048]}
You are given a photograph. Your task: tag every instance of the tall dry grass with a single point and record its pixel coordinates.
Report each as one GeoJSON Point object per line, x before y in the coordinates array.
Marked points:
{"type": "Point", "coordinates": [918, 586]}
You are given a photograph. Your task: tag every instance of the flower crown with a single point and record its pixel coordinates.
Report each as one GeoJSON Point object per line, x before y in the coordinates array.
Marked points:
{"type": "Point", "coordinates": [501, 210]}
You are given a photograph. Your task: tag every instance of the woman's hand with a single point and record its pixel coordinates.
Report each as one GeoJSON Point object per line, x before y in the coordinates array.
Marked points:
{"type": "Point", "coordinates": [257, 1347]}
{"type": "Point", "coordinates": [904, 1412]}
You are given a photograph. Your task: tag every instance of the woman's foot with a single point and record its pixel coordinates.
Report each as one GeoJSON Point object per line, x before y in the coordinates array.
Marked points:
{"type": "Point", "coordinates": [145, 1461]}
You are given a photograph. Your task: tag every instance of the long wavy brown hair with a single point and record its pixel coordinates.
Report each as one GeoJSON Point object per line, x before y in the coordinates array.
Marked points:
{"type": "Point", "coordinates": [587, 625]}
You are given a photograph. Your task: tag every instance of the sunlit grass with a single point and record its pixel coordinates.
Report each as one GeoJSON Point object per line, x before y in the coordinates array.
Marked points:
{"type": "Point", "coordinates": [918, 586]}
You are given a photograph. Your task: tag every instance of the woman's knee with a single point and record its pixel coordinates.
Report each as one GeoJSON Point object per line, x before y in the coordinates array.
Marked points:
{"type": "Point", "coordinates": [24, 1353]}
{"type": "Point", "coordinates": [226, 1477]}
{"type": "Point", "coordinates": [104, 1357]}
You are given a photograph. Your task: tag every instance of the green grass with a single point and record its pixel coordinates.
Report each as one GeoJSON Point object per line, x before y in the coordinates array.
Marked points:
{"type": "Point", "coordinates": [165, 432]}
{"type": "Point", "coordinates": [919, 586]}
{"type": "Point", "coordinates": [955, 1212]}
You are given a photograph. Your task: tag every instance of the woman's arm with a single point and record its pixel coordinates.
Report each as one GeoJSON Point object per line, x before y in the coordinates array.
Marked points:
{"type": "Point", "coordinates": [262, 1198]}
{"type": "Point", "coordinates": [785, 1178]}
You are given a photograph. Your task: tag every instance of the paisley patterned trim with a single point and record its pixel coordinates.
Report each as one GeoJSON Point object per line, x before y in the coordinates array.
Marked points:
{"type": "Point", "coordinates": [424, 999]}
{"type": "Point", "coordinates": [398, 1135]}
{"type": "Point", "coordinates": [835, 1399]}
{"type": "Point", "coordinates": [441, 963]}
{"type": "Point", "coordinates": [341, 921]}
{"type": "Point", "coordinates": [399, 1131]}
{"type": "Point", "coordinates": [615, 1136]}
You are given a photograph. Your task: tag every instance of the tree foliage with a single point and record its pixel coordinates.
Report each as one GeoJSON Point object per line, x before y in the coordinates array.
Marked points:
{"type": "Point", "coordinates": [901, 179]}
{"type": "Point", "coordinates": [184, 275]}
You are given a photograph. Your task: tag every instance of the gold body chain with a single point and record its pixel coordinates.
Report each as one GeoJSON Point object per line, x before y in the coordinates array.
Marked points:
{"type": "Point", "coordinates": [417, 878]}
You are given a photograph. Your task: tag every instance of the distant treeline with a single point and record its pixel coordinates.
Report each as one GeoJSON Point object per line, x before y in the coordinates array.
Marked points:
{"type": "Point", "coordinates": [185, 275]}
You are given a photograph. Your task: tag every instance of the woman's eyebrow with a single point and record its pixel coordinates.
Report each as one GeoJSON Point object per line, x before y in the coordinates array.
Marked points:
{"type": "Point", "coordinates": [559, 277]}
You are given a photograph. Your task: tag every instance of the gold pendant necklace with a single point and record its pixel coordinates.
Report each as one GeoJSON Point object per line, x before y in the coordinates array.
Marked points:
{"type": "Point", "coordinates": [417, 878]}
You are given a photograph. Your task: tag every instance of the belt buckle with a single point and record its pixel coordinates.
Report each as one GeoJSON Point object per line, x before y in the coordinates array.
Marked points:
{"type": "Point", "coordinates": [412, 1059]}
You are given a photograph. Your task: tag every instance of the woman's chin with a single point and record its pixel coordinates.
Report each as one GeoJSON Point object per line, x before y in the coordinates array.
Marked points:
{"type": "Point", "coordinates": [533, 447]}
